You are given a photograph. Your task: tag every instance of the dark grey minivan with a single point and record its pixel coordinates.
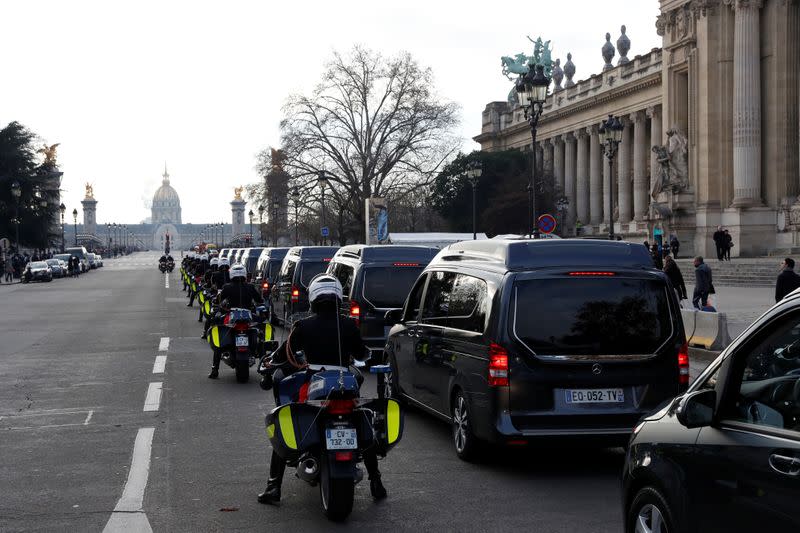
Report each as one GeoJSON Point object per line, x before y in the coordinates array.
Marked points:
{"type": "Point", "coordinates": [516, 340]}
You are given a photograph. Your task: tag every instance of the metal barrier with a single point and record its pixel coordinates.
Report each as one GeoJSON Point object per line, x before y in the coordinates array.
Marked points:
{"type": "Point", "coordinates": [708, 330]}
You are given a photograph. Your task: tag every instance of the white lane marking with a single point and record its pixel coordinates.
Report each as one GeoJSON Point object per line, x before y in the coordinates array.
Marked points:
{"type": "Point", "coordinates": [163, 345]}
{"type": "Point", "coordinates": [128, 514]}
{"type": "Point", "coordinates": [153, 399]}
{"type": "Point", "coordinates": [88, 418]}
{"type": "Point", "coordinates": [160, 364]}
{"type": "Point", "coordinates": [166, 280]}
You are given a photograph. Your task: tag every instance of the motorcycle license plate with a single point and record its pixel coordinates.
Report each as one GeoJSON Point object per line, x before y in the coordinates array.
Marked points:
{"type": "Point", "coordinates": [341, 439]}
{"type": "Point", "coordinates": [242, 341]}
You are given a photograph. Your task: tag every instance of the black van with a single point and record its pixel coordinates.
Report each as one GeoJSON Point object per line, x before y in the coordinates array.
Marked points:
{"type": "Point", "coordinates": [376, 279]}
{"type": "Point", "coordinates": [515, 340]}
{"type": "Point", "coordinates": [267, 268]}
{"type": "Point", "coordinates": [289, 296]}
{"type": "Point", "coordinates": [249, 259]}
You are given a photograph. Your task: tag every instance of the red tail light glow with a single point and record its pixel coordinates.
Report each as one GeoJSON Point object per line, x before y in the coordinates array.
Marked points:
{"type": "Point", "coordinates": [592, 273]}
{"type": "Point", "coordinates": [344, 456]}
{"type": "Point", "coordinates": [265, 285]}
{"type": "Point", "coordinates": [683, 364]}
{"type": "Point", "coordinates": [295, 294]}
{"type": "Point", "coordinates": [340, 407]}
{"type": "Point", "coordinates": [498, 366]}
{"type": "Point", "coordinates": [406, 264]}
{"type": "Point", "coordinates": [355, 312]}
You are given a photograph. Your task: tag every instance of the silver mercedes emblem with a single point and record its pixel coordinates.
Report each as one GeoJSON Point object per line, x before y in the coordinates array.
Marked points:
{"type": "Point", "coordinates": [596, 369]}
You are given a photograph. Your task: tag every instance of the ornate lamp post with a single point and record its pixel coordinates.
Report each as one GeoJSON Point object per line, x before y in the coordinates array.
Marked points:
{"type": "Point", "coordinates": [108, 236]}
{"type": "Point", "coordinates": [63, 209]}
{"type": "Point", "coordinates": [75, 224]}
{"type": "Point", "coordinates": [562, 204]}
{"type": "Point", "coordinates": [250, 214]}
{"type": "Point", "coordinates": [474, 172]}
{"type": "Point", "coordinates": [275, 208]}
{"type": "Point", "coordinates": [610, 137]}
{"type": "Point", "coordinates": [261, 225]}
{"type": "Point", "coordinates": [296, 201]}
{"type": "Point", "coordinates": [16, 192]}
{"type": "Point", "coordinates": [322, 180]}
{"type": "Point", "coordinates": [532, 92]}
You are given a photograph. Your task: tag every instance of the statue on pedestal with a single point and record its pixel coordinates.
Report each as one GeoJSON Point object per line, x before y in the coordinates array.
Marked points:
{"type": "Point", "coordinates": [673, 160]}
{"type": "Point", "coordinates": [89, 191]}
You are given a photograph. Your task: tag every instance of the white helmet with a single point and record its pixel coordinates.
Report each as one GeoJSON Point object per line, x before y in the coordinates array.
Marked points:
{"type": "Point", "coordinates": [214, 261]}
{"type": "Point", "coordinates": [238, 271]}
{"type": "Point", "coordinates": [324, 285]}
{"type": "Point", "coordinates": [223, 261]}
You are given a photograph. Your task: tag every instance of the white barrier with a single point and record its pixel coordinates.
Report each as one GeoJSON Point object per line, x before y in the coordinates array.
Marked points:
{"type": "Point", "coordinates": [708, 330]}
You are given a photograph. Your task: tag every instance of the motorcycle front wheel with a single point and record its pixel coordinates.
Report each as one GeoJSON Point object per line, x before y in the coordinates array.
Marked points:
{"type": "Point", "coordinates": [336, 494]}
{"type": "Point", "coordinates": [242, 371]}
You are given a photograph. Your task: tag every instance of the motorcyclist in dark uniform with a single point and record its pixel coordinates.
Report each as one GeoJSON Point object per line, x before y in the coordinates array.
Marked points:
{"type": "Point", "coordinates": [201, 269]}
{"type": "Point", "coordinates": [317, 336]}
{"type": "Point", "coordinates": [236, 294]}
{"type": "Point", "coordinates": [221, 276]}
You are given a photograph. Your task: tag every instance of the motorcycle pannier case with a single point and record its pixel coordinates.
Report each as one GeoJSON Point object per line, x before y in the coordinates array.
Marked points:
{"type": "Point", "coordinates": [388, 423]}
{"type": "Point", "coordinates": [291, 429]}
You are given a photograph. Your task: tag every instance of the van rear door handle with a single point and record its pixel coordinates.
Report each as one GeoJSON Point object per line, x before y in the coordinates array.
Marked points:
{"type": "Point", "coordinates": [785, 464]}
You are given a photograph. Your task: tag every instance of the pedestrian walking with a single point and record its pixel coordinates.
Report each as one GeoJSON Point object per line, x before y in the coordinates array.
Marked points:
{"type": "Point", "coordinates": [675, 276]}
{"type": "Point", "coordinates": [703, 284]}
{"type": "Point", "coordinates": [788, 280]}
{"type": "Point", "coordinates": [655, 253]}
{"type": "Point", "coordinates": [728, 244]}
{"type": "Point", "coordinates": [719, 242]}
{"type": "Point", "coordinates": [674, 245]}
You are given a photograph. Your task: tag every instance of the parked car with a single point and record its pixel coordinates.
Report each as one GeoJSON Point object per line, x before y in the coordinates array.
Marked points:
{"type": "Point", "coordinates": [376, 279]}
{"type": "Point", "coordinates": [57, 267]}
{"type": "Point", "coordinates": [37, 271]}
{"type": "Point", "coordinates": [267, 268]}
{"type": "Point", "coordinates": [512, 341]}
{"type": "Point", "coordinates": [92, 261]}
{"type": "Point", "coordinates": [289, 296]}
{"type": "Point", "coordinates": [249, 259]}
{"type": "Point", "coordinates": [725, 456]}
{"type": "Point", "coordinates": [82, 255]}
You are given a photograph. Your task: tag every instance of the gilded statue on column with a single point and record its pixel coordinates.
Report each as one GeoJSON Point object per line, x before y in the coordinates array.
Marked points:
{"type": "Point", "coordinates": [237, 193]}
{"type": "Point", "coordinates": [89, 191]}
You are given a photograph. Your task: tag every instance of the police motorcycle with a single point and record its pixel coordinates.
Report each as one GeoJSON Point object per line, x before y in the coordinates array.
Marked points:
{"type": "Point", "coordinates": [170, 264]}
{"type": "Point", "coordinates": [322, 426]}
{"type": "Point", "coordinates": [162, 265]}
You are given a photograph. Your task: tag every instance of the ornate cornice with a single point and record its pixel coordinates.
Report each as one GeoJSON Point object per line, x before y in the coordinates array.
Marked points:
{"type": "Point", "coordinates": [679, 21]}
{"type": "Point", "coordinates": [744, 4]}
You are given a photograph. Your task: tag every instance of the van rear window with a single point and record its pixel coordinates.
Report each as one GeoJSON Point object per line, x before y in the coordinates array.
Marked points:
{"type": "Point", "coordinates": [591, 315]}
{"type": "Point", "coordinates": [310, 269]}
{"type": "Point", "coordinates": [388, 287]}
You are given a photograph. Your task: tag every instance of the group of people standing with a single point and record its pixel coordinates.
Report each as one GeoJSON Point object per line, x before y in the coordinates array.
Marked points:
{"type": "Point", "coordinates": [723, 243]}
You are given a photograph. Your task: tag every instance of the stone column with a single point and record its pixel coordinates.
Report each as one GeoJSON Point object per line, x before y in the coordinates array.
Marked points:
{"type": "Point", "coordinates": [582, 177]}
{"type": "Point", "coordinates": [558, 163]}
{"type": "Point", "coordinates": [569, 179]}
{"type": "Point", "coordinates": [547, 158]}
{"type": "Point", "coordinates": [654, 113]}
{"type": "Point", "coordinates": [625, 199]}
{"type": "Point", "coordinates": [595, 176]}
{"type": "Point", "coordinates": [746, 104]}
{"type": "Point", "coordinates": [641, 191]}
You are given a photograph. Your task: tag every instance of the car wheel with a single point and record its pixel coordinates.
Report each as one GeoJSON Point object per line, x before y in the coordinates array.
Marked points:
{"type": "Point", "coordinates": [466, 443]}
{"type": "Point", "coordinates": [650, 513]}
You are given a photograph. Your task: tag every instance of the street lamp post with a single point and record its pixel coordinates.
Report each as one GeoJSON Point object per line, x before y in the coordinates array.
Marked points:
{"type": "Point", "coordinates": [610, 137]}
{"type": "Point", "coordinates": [296, 200]}
{"type": "Point", "coordinates": [322, 180]}
{"type": "Point", "coordinates": [75, 224]}
{"type": "Point", "coordinates": [532, 92]}
{"type": "Point", "coordinates": [250, 214]}
{"type": "Point", "coordinates": [261, 225]}
{"type": "Point", "coordinates": [16, 192]}
{"type": "Point", "coordinates": [275, 220]}
{"type": "Point", "coordinates": [63, 209]}
{"type": "Point", "coordinates": [108, 236]}
{"type": "Point", "coordinates": [474, 172]}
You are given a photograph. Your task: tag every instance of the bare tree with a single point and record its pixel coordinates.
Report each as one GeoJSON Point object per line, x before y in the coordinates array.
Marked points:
{"type": "Point", "coordinates": [374, 125]}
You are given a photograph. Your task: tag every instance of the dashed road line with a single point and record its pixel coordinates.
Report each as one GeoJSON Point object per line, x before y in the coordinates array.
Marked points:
{"type": "Point", "coordinates": [166, 280]}
{"type": "Point", "coordinates": [160, 364]}
{"type": "Point", "coordinates": [128, 514]}
{"type": "Point", "coordinates": [88, 418]}
{"type": "Point", "coordinates": [163, 345]}
{"type": "Point", "coordinates": [153, 398]}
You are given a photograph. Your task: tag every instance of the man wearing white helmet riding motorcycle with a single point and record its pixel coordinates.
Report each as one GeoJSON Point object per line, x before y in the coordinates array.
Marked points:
{"type": "Point", "coordinates": [317, 337]}
{"type": "Point", "coordinates": [238, 293]}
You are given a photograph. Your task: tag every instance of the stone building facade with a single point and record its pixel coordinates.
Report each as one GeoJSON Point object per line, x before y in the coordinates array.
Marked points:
{"type": "Point", "coordinates": [726, 80]}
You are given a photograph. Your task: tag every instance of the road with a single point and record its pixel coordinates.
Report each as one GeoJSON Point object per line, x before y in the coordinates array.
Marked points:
{"type": "Point", "coordinates": [77, 366]}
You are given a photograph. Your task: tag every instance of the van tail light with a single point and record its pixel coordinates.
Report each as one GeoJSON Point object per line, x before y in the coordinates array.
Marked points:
{"type": "Point", "coordinates": [265, 285]}
{"type": "Point", "coordinates": [683, 364]}
{"type": "Point", "coordinates": [355, 312]}
{"type": "Point", "coordinates": [498, 366]}
{"type": "Point", "coordinates": [295, 294]}
{"type": "Point", "coordinates": [592, 273]}
{"type": "Point", "coordinates": [340, 407]}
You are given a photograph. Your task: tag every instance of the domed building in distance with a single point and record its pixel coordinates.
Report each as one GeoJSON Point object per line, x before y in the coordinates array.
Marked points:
{"type": "Point", "coordinates": [166, 208]}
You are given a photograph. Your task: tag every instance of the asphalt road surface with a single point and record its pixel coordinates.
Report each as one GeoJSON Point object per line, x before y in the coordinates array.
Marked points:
{"type": "Point", "coordinates": [94, 435]}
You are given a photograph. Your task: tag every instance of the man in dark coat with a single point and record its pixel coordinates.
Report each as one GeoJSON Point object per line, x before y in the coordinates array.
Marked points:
{"type": "Point", "coordinates": [788, 280]}
{"type": "Point", "coordinates": [719, 242]}
{"type": "Point", "coordinates": [702, 283]}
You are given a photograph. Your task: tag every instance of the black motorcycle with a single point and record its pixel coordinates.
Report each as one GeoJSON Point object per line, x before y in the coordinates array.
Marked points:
{"type": "Point", "coordinates": [236, 335]}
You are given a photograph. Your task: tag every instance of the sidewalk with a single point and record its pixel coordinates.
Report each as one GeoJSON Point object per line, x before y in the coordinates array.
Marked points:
{"type": "Point", "coordinates": [742, 305]}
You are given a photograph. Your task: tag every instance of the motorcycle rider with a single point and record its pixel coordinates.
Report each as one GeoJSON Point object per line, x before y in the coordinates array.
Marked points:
{"type": "Point", "coordinates": [315, 336]}
{"type": "Point", "coordinates": [221, 276]}
{"type": "Point", "coordinates": [199, 271]}
{"type": "Point", "coordinates": [236, 294]}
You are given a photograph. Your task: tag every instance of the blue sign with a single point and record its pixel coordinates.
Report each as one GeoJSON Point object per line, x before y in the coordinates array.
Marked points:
{"type": "Point", "coordinates": [325, 231]}
{"type": "Point", "coordinates": [546, 223]}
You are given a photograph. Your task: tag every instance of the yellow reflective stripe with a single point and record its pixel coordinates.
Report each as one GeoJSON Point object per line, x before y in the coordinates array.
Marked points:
{"type": "Point", "coordinates": [271, 430]}
{"type": "Point", "coordinates": [201, 297]}
{"type": "Point", "coordinates": [207, 307]}
{"type": "Point", "coordinates": [268, 332]}
{"type": "Point", "coordinates": [392, 420]}
{"type": "Point", "coordinates": [215, 336]}
{"type": "Point", "coordinates": [287, 427]}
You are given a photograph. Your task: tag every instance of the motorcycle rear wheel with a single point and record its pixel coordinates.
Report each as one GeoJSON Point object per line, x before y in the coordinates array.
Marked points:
{"type": "Point", "coordinates": [336, 494]}
{"type": "Point", "coordinates": [242, 372]}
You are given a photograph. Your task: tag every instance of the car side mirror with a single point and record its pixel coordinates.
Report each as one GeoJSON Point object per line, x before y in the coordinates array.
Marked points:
{"type": "Point", "coordinates": [392, 317]}
{"type": "Point", "coordinates": [696, 409]}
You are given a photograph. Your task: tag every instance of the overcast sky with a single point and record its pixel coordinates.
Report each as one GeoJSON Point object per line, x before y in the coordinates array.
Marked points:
{"type": "Point", "coordinates": [126, 85]}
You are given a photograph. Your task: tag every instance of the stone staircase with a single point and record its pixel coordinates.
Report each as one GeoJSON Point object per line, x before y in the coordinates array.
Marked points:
{"type": "Point", "coordinates": [739, 272]}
